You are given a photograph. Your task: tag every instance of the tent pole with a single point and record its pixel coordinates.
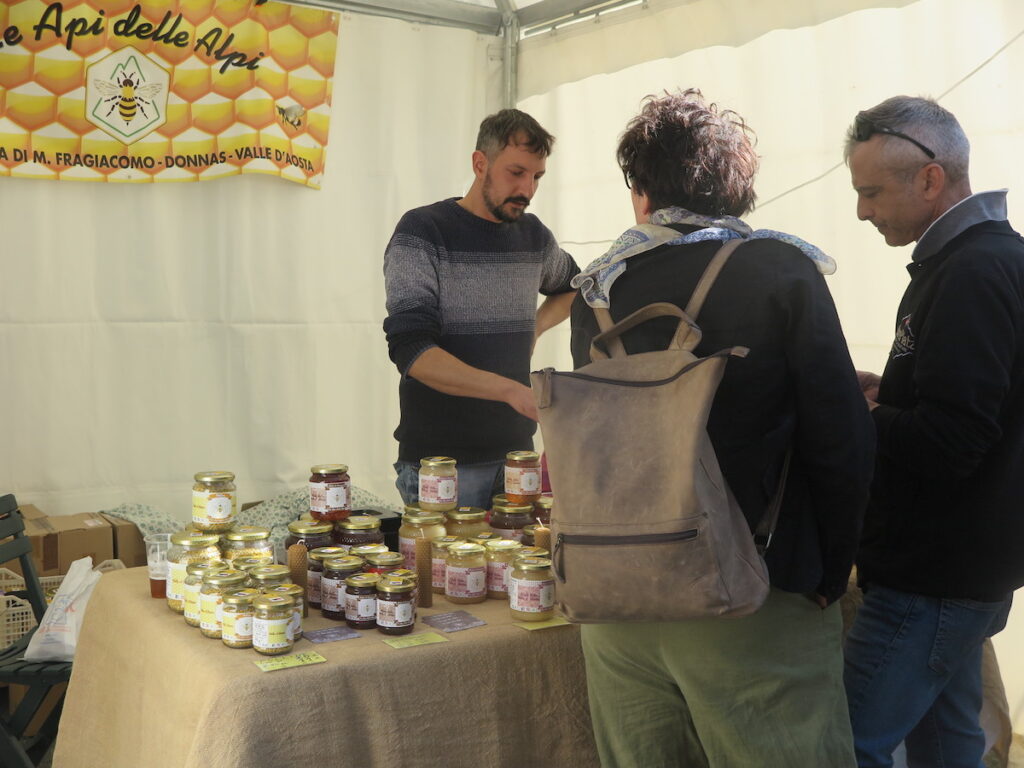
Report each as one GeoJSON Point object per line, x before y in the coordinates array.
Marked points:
{"type": "Point", "coordinates": [510, 62]}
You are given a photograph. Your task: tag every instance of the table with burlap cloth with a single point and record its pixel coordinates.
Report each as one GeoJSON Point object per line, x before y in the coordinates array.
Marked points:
{"type": "Point", "coordinates": [149, 690]}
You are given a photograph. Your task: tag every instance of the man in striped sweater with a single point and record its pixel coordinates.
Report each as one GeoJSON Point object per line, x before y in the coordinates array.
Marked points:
{"type": "Point", "coordinates": [462, 278]}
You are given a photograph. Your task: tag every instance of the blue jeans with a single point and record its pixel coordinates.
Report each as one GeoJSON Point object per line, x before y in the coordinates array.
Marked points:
{"type": "Point", "coordinates": [477, 482]}
{"type": "Point", "coordinates": [913, 672]}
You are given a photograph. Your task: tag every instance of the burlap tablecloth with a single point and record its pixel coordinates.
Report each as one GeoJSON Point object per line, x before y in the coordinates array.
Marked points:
{"type": "Point", "coordinates": [148, 690]}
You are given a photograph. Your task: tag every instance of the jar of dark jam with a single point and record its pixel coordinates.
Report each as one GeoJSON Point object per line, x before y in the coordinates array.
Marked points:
{"type": "Point", "coordinates": [383, 562]}
{"type": "Point", "coordinates": [395, 607]}
{"type": "Point", "coordinates": [358, 530]}
{"type": "Point", "coordinates": [361, 601]}
{"type": "Point", "coordinates": [522, 476]}
{"type": "Point", "coordinates": [508, 520]}
{"type": "Point", "coordinates": [528, 540]}
{"type": "Point", "coordinates": [330, 496]}
{"type": "Point", "coordinates": [332, 584]}
{"type": "Point", "coordinates": [542, 508]}
{"type": "Point", "coordinates": [310, 534]}
{"type": "Point", "coordinates": [315, 569]}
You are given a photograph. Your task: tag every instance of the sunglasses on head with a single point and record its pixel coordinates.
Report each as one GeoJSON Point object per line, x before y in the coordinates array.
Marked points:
{"type": "Point", "coordinates": [864, 128]}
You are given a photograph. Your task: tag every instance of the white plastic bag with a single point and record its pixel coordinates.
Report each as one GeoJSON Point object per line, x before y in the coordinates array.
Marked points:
{"type": "Point", "coordinates": [57, 635]}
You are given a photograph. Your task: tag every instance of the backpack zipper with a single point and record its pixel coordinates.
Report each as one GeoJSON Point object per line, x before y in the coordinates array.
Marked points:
{"type": "Point", "coordinates": [645, 538]}
{"type": "Point", "coordinates": [731, 352]}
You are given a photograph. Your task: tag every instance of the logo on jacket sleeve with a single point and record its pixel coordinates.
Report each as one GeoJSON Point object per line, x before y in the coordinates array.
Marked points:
{"type": "Point", "coordinates": [903, 345]}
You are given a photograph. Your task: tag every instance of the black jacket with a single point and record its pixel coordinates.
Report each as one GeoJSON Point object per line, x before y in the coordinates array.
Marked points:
{"type": "Point", "coordinates": [797, 385]}
{"type": "Point", "coordinates": [946, 516]}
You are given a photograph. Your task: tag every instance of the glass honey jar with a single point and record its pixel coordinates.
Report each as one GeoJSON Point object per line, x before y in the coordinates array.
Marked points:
{"type": "Point", "coordinates": [310, 534]}
{"type": "Point", "coordinates": [236, 617]}
{"type": "Point", "coordinates": [315, 569]}
{"type": "Point", "coordinates": [361, 601]}
{"type": "Point", "coordinates": [246, 541]}
{"type": "Point", "coordinates": [396, 610]}
{"type": "Point", "coordinates": [215, 584]}
{"type": "Point", "coordinates": [542, 508]}
{"type": "Point", "coordinates": [330, 492]}
{"type": "Point", "coordinates": [418, 523]}
{"type": "Point", "coordinates": [508, 520]}
{"type": "Point", "coordinates": [531, 592]}
{"type": "Point", "coordinates": [500, 556]}
{"type": "Point", "coordinates": [383, 562]}
{"type": "Point", "coordinates": [357, 531]}
{"type": "Point", "coordinates": [263, 576]}
{"type": "Point", "coordinates": [438, 484]}
{"type": "Point", "coordinates": [187, 547]}
{"type": "Point", "coordinates": [298, 609]}
{"type": "Point", "coordinates": [336, 571]}
{"type": "Point", "coordinates": [522, 476]}
{"type": "Point", "coordinates": [213, 501]}
{"type": "Point", "coordinates": [466, 522]}
{"type": "Point", "coordinates": [466, 573]}
{"type": "Point", "coordinates": [193, 582]}
{"type": "Point", "coordinates": [271, 618]}
{"type": "Point", "coordinates": [439, 556]}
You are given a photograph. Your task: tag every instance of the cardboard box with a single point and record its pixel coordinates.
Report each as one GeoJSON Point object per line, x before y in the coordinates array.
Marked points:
{"type": "Point", "coordinates": [129, 546]}
{"type": "Point", "coordinates": [59, 541]}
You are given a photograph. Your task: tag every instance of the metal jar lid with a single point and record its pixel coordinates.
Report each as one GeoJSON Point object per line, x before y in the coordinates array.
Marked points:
{"type": "Point", "coordinates": [328, 469]}
{"type": "Point", "coordinates": [269, 572]}
{"type": "Point", "coordinates": [466, 549]}
{"type": "Point", "coordinates": [521, 457]}
{"type": "Point", "coordinates": [214, 476]}
{"type": "Point", "coordinates": [195, 569]}
{"type": "Point", "coordinates": [359, 523]}
{"type": "Point", "coordinates": [194, 539]}
{"type": "Point", "coordinates": [416, 516]}
{"type": "Point", "coordinates": [467, 514]}
{"type": "Point", "coordinates": [438, 461]}
{"type": "Point", "coordinates": [309, 527]}
{"type": "Point", "coordinates": [385, 558]}
{"type": "Point", "coordinates": [503, 545]}
{"type": "Point", "coordinates": [240, 597]}
{"type": "Point", "coordinates": [532, 563]}
{"type": "Point", "coordinates": [323, 553]}
{"type": "Point", "coordinates": [362, 580]}
{"type": "Point", "coordinates": [272, 602]}
{"type": "Point", "coordinates": [391, 585]}
{"type": "Point", "coordinates": [247, 533]}
{"type": "Point", "coordinates": [343, 563]}
{"type": "Point", "coordinates": [224, 578]}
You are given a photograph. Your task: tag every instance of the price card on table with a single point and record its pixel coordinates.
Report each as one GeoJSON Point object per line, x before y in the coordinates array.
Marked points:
{"type": "Point", "coordinates": [557, 621]}
{"type": "Point", "coordinates": [413, 640]}
{"type": "Point", "coordinates": [291, 660]}
{"type": "Point", "coordinates": [330, 634]}
{"type": "Point", "coordinates": [454, 621]}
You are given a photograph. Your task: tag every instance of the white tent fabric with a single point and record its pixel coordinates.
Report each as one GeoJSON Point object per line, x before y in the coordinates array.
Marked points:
{"type": "Point", "coordinates": [147, 333]}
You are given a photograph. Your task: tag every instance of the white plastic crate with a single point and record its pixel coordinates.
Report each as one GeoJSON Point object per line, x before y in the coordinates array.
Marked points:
{"type": "Point", "coordinates": [16, 617]}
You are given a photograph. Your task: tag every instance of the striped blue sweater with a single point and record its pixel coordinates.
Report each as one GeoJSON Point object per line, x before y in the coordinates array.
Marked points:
{"type": "Point", "coordinates": [469, 286]}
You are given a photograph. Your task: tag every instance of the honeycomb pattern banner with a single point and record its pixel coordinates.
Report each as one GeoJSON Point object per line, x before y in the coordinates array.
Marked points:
{"type": "Point", "coordinates": [164, 90]}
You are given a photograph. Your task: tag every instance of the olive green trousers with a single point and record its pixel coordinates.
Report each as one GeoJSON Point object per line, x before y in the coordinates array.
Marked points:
{"type": "Point", "coordinates": [762, 691]}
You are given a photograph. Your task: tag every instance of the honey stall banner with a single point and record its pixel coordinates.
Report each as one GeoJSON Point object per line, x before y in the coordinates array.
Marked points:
{"type": "Point", "coordinates": [172, 90]}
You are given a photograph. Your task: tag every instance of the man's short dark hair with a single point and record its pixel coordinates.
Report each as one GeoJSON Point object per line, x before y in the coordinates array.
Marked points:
{"type": "Point", "coordinates": [511, 126]}
{"type": "Point", "coordinates": [681, 151]}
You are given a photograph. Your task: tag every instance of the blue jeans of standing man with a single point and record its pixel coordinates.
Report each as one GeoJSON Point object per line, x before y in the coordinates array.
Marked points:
{"type": "Point", "coordinates": [477, 482]}
{"type": "Point", "coordinates": [913, 672]}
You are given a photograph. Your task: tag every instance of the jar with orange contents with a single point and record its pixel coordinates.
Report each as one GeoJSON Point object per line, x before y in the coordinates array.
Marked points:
{"type": "Point", "coordinates": [522, 476]}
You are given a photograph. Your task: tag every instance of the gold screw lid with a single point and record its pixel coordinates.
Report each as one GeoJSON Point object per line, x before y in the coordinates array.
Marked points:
{"type": "Point", "coordinates": [503, 545]}
{"type": "Point", "coordinates": [249, 562]}
{"type": "Point", "coordinates": [363, 550]}
{"type": "Point", "coordinates": [522, 456]}
{"type": "Point", "coordinates": [444, 542]}
{"type": "Point", "coordinates": [343, 563]}
{"type": "Point", "coordinates": [483, 538]}
{"type": "Point", "coordinates": [195, 569]}
{"type": "Point", "coordinates": [247, 533]}
{"type": "Point", "coordinates": [194, 539]}
{"type": "Point", "coordinates": [224, 578]}
{"type": "Point", "coordinates": [404, 573]}
{"type": "Point", "coordinates": [545, 501]}
{"type": "Point", "coordinates": [214, 476]}
{"type": "Point", "coordinates": [240, 596]}
{"type": "Point", "coordinates": [269, 572]}
{"type": "Point", "coordinates": [328, 469]}
{"type": "Point", "coordinates": [416, 516]}
{"type": "Point", "coordinates": [309, 527]}
{"type": "Point", "coordinates": [532, 563]}
{"type": "Point", "coordinates": [532, 552]}
{"type": "Point", "coordinates": [499, 498]}
{"type": "Point", "coordinates": [529, 530]}
{"type": "Point", "coordinates": [437, 461]}
{"type": "Point", "coordinates": [323, 553]}
{"type": "Point", "coordinates": [385, 558]}
{"type": "Point", "coordinates": [467, 514]}
{"type": "Point", "coordinates": [362, 580]}
{"type": "Point", "coordinates": [513, 509]}
{"type": "Point", "coordinates": [466, 548]}
{"type": "Point", "coordinates": [390, 584]}
{"type": "Point", "coordinates": [269, 602]}
{"type": "Point", "coordinates": [294, 590]}
{"type": "Point", "coordinates": [359, 523]}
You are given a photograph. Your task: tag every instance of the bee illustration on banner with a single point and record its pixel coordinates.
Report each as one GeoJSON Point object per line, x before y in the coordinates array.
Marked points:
{"type": "Point", "coordinates": [127, 94]}
{"type": "Point", "coordinates": [292, 115]}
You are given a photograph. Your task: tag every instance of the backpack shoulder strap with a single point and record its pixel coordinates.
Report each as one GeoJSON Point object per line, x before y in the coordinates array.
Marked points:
{"type": "Point", "coordinates": [710, 275]}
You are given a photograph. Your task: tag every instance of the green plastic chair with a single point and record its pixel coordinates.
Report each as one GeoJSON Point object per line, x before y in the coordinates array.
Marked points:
{"type": "Point", "coordinates": [16, 751]}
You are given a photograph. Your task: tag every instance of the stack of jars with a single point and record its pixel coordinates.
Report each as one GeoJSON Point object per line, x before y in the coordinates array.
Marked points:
{"type": "Point", "coordinates": [365, 588]}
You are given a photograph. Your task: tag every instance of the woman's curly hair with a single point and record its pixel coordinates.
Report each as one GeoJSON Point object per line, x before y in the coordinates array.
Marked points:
{"type": "Point", "coordinates": [680, 151]}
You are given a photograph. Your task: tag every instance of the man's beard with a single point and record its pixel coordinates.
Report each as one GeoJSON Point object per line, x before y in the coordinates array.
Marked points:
{"type": "Point", "coordinates": [497, 210]}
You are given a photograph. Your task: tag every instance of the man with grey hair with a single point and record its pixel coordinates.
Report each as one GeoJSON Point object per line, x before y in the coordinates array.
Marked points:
{"type": "Point", "coordinates": [940, 553]}
{"type": "Point", "coordinates": [462, 278]}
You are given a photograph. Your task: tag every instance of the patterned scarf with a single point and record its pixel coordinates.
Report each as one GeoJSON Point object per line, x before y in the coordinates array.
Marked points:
{"type": "Point", "coordinates": [595, 282]}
